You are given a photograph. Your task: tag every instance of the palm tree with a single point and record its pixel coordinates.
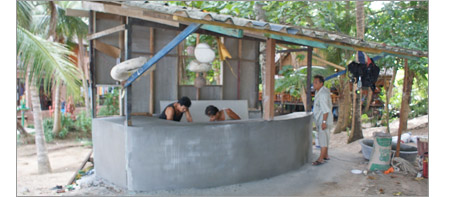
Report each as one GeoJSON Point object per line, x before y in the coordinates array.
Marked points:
{"type": "Point", "coordinates": [356, 130]}
{"type": "Point", "coordinates": [41, 60]}
{"type": "Point", "coordinates": [64, 28]}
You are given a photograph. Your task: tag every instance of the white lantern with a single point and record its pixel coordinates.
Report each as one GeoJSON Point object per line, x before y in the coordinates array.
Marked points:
{"type": "Point", "coordinates": [204, 53]}
{"type": "Point", "coordinates": [198, 67]}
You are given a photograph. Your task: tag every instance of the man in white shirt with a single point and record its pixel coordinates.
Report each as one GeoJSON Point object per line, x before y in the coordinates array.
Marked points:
{"type": "Point", "coordinates": [322, 114]}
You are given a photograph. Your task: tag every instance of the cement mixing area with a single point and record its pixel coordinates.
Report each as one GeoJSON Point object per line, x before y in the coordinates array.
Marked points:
{"type": "Point", "coordinates": [141, 49]}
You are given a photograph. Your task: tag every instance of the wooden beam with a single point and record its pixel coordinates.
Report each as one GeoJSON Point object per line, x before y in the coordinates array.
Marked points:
{"type": "Point", "coordinates": [240, 51]}
{"type": "Point", "coordinates": [328, 63]}
{"type": "Point", "coordinates": [92, 66]}
{"type": "Point", "coordinates": [121, 45]}
{"type": "Point", "coordinates": [106, 32]}
{"type": "Point", "coordinates": [107, 49]}
{"type": "Point", "coordinates": [265, 31]}
{"type": "Point", "coordinates": [76, 12]}
{"type": "Point", "coordinates": [152, 74]}
{"type": "Point", "coordinates": [129, 11]}
{"type": "Point", "coordinates": [128, 94]}
{"type": "Point", "coordinates": [309, 64]}
{"type": "Point", "coordinates": [298, 41]}
{"type": "Point", "coordinates": [108, 16]}
{"type": "Point", "coordinates": [238, 33]}
{"type": "Point", "coordinates": [269, 85]}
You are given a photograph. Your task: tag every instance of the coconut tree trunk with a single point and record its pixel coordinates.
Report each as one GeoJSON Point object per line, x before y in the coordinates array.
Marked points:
{"type": "Point", "coordinates": [343, 121]}
{"type": "Point", "coordinates": [26, 138]}
{"type": "Point", "coordinates": [356, 130]}
{"type": "Point", "coordinates": [368, 100]}
{"type": "Point", "coordinates": [57, 109]}
{"type": "Point", "coordinates": [406, 97]}
{"type": "Point", "coordinates": [42, 154]}
{"type": "Point", "coordinates": [81, 64]}
{"type": "Point", "coordinates": [389, 94]}
{"type": "Point", "coordinates": [260, 16]}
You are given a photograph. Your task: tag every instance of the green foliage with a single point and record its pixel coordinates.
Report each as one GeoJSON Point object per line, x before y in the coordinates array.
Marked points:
{"type": "Point", "coordinates": [419, 96]}
{"type": "Point", "coordinates": [83, 122]}
{"type": "Point", "coordinates": [293, 80]}
{"type": "Point", "coordinates": [110, 103]}
{"type": "Point", "coordinates": [48, 129]}
{"type": "Point", "coordinates": [364, 118]}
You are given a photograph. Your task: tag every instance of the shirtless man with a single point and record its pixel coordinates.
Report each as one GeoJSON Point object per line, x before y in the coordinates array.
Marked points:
{"type": "Point", "coordinates": [215, 114]}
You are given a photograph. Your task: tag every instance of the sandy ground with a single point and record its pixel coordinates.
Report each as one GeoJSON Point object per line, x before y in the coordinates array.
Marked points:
{"type": "Point", "coordinates": [333, 178]}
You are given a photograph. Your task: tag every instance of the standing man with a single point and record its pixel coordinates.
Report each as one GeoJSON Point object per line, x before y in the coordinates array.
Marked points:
{"type": "Point", "coordinates": [322, 114]}
{"type": "Point", "coordinates": [174, 111]}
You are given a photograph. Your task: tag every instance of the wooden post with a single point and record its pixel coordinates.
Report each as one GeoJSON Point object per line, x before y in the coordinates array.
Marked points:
{"type": "Point", "coordinates": [121, 45]}
{"type": "Point", "coordinates": [128, 94]}
{"type": "Point", "coordinates": [240, 50]}
{"type": "Point", "coordinates": [197, 74]}
{"type": "Point", "coordinates": [309, 64]}
{"type": "Point", "coordinates": [92, 29]}
{"type": "Point", "coordinates": [152, 74]}
{"type": "Point", "coordinates": [269, 85]}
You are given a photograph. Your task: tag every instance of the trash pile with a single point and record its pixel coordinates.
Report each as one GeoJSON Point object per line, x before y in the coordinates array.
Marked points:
{"type": "Point", "coordinates": [382, 162]}
{"type": "Point", "coordinates": [81, 180]}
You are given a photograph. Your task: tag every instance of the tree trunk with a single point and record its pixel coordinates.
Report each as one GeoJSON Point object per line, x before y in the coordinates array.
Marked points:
{"type": "Point", "coordinates": [406, 97]}
{"type": "Point", "coordinates": [42, 154]}
{"type": "Point", "coordinates": [81, 64]}
{"type": "Point", "coordinates": [57, 109]}
{"type": "Point", "coordinates": [53, 21]}
{"type": "Point", "coordinates": [356, 130]}
{"type": "Point", "coordinates": [260, 16]}
{"type": "Point", "coordinates": [26, 138]}
{"type": "Point", "coordinates": [389, 94]}
{"type": "Point", "coordinates": [343, 121]}
{"type": "Point", "coordinates": [368, 100]}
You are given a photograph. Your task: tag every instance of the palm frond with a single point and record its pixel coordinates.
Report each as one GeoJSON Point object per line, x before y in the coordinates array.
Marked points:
{"type": "Point", "coordinates": [23, 11]}
{"type": "Point", "coordinates": [47, 61]}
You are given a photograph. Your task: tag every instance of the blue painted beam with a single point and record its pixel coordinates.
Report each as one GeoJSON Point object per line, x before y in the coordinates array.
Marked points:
{"type": "Point", "coordinates": [298, 41]}
{"type": "Point", "coordinates": [238, 33]}
{"type": "Point", "coordinates": [165, 50]}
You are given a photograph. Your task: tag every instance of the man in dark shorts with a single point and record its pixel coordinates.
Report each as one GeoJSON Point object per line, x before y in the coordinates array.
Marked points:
{"type": "Point", "coordinates": [174, 111]}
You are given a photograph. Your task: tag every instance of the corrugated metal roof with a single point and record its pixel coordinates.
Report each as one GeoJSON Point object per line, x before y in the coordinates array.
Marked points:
{"type": "Point", "coordinates": [194, 13]}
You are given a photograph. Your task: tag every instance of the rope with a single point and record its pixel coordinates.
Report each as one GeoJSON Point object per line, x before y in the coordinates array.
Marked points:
{"type": "Point", "coordinates": [401, 164]}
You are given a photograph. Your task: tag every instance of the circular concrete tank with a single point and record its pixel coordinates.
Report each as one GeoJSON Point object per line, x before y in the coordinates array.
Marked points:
{"type": "Point", "coordinates": [157, 154]}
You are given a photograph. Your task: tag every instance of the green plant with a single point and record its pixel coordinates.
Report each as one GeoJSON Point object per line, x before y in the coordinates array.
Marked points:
{"type": "Point", "coordinates": [48, 129]}
{"type": "Point", "coordinates": [364, 118]}
{"type": "Point", "coordinates": [110, 103]}
{"type": "Point", "coordinates": [83, 122]}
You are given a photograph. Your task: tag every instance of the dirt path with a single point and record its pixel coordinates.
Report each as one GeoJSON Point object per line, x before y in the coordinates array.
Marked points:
{"type": "Point", "coordinates": [331, 179]}
{"type": "Point", "coordinates": [65, 157]}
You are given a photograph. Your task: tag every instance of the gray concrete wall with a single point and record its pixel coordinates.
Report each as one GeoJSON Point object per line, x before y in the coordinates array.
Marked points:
{"type": "Point", "coordinates": [164, 154]}
{"type": "Point", "coordinates": [166, 84]}
{"type": "Point", "coordinates": [109, 149]}
{"type": "Point", "coordinates": [248, 72]}
{"type": "Point", "coordinates": [141, 88]}
{"type": "Point", "coordinates": [240, 107]}
{"type": "Point", "coordinates": [206, 93]}
{"type": "Point", "coordinates": [103, 62]}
